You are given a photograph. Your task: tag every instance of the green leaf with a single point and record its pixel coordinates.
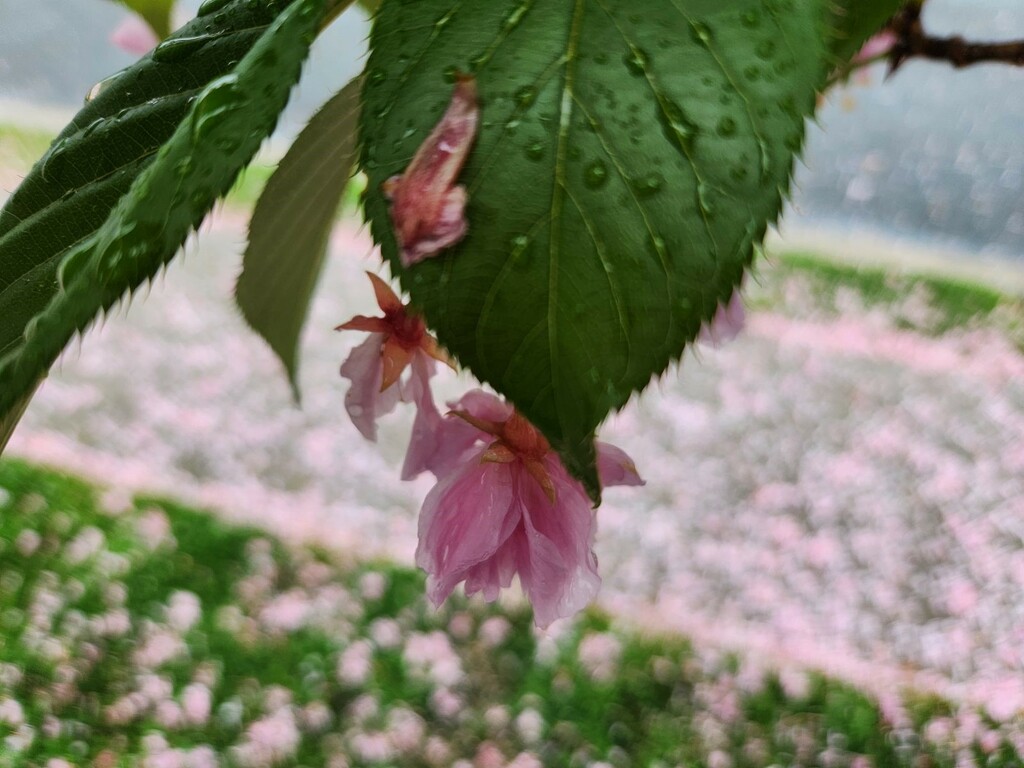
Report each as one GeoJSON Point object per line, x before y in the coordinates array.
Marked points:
{"type": "Point", "coordinates": [157, 13]}
{"type": "Point", "coordinates": [627, 164]}
{"type": "Point", "coordinates": [71, 191]}
{"type": "Point", "coordinates": [224, 128]}
{"type": "Point", "coordinates": [9, 421]}
{"type": "Point", "coordinates": [291, 225]}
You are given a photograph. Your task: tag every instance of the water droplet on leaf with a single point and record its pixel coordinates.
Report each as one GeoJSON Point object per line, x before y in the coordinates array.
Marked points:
{"type": "Point", "coordinates": [525, 96]}
{"type": "Point", "coordinates": [211, 6]}
{"type": "Point", "coordinates": [636, 61]}
{"type": "Point", "coordinates": [178, 48]}
{"type": "Point", "coordinates": [726, 127]}
{"type": "Point", "coordinates": [596, 174]}
{"type": "Point", "coordinates": [648, 185]}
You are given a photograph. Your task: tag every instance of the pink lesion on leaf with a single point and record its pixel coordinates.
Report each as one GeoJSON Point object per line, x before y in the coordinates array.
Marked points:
{"type": "Point", "coordinates": [427, 206]}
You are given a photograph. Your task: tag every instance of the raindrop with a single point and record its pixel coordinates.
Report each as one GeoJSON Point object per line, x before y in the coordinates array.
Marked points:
{"type": "Point", "coordinates": [102, 85]}
{"type": "Point", "coordinates": [443, 21]}
{"type": "Point", "coordinates": [648, 185]}
{"type": "Point", "coordinates": [704, 193]}
{"type": "Point", "coordinates": [535, 150]}
{"type": "Point", "coordinates": [451, 73]}
{"type": "Point", "coordinates": [636, 61]}
{"type": "Point", "coordinates": [515, 16]}
{"type": "Point", "coordinates": [31, 327]}
{"type": "Point", "coordinates": [55, 152]}
{"type": "Point", "coordinates": [178, 48]}
{"type": "Point", "coordinates": [71, 267]}
{"type": "Point", "coordinates": [738, 173]}
{"type": "Point", "coordinates": [211, 6]}
{"type": "Point", "coordinates": [701, 32]}
{"type": "Point", "coordinates": [751, 19]}
{"type": "Point", "coordinates": [220, 98]}
{"type": "Point", "coordinates": [525, 96]}
{"type": "Point", "coordinates": [512, 125]}
{"type": "Point", "coordinates": [377, 77]}
{"type": "Point", "coordinates": [596, 174]}
{"type": "Point", "coordinates": [92, 127]}
{"type": "Point", "coordinates": [726, 127]}
{"type": "Point", "coordinates": [678, 127]}
{"type": "Point", "coordinates": [521, 255]}
{"type": "Point", "coordinates": [765, 49]}
{"type": "Point", "coordinates": [184, 167]}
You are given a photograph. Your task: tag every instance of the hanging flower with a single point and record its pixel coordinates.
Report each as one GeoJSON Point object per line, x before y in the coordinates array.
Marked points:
{"type": "Point", "coordinates": [506, 505]}
{"type": "Point", "coordinates": [427, 207]}
{"type": "Point", "coordinates": [397, 340]}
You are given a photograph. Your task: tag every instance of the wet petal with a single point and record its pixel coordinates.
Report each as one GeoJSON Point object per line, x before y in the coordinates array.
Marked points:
{"type": "Point", "coordinates": [556, 561]}
{"type": "Point", "coordinates": [463, 522]}
{"type": "Point", "coordinates": [427, 429]}
{"type": "Point", "coordinates": [364, 400]}
{"type": "Point", "coordinates": [614, 467]}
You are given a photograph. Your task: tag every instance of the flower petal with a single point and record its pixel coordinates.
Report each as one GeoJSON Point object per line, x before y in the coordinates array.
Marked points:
{"type": "Point", "coordinates": [394, 358]}
{"type": "Point", "coordinates": [364, 323]}
{"type": "Point", "coordinates": [555, 560]}
{"type": "Point", "coordinates": [427, 429]}
{"type": "Point", "coordinates": [463, 522]}
{"type": "Point", "coordinates": [439, 445]}
{"type": "Point", "coordinates": [364, 400]}
{"type": "Point", "coordinates": [387, 299]}
{"type": "Point", "coordinates": [614, 467]}
{"type": "Point", "coordinates": [483, 405]}
{"type": "Point", "coordinates": [134, 36]}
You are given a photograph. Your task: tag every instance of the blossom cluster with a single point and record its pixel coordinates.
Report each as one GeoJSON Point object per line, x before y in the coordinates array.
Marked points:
{"type": "Point", "coordinates": [504, 504]}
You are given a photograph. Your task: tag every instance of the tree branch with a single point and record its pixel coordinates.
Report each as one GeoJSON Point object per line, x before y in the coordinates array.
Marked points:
{"type": "Point", "coordinates": [913, 42]}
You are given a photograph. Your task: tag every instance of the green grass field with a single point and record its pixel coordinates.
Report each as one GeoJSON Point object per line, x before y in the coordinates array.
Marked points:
{"type": "Point", "coordinates": [153, 629]}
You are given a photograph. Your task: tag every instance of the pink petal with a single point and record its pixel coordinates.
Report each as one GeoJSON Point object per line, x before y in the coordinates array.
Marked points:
{"type": "Point", "coordinates": [134, 36]}
{"type": "Point", "coordinates": [877, 45]}
{"type": "Point", "coordinates": [614, 466]}
{"type": "Point", "coordinates": [439, 444]}
{"type": "Point", "coordinates": [729, 320]}
{"type": "Point", "coordinates": [483, 405]}
{"type": "Point", "coordinates": [464, 520]}
{"type": "Point", "coordinates": [426, 440]}
{"type": "Point", "coordinates": [556, 561]}
{"type": "Point", "coordinates": [364, 401]}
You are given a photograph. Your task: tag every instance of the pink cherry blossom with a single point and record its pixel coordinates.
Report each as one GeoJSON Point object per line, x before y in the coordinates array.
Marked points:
{"type": "Point", "coordinates": [729, 320]}
{"type": "Point", "coordinates": [878, 45]}
{"type": "Point", "coordinates": [427, 208]}
{"type": "Point", "coordinates": [509, 507]}
{"type": "Point", "coordinates": [134, 36]}
{"type": "Point", "coordinates": [397, 340]}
